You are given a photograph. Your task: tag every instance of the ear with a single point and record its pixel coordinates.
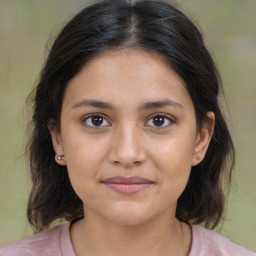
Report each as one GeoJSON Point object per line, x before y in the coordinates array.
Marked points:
{"type": "Point", "coordinates": [203, 139]}
{"type": "Point", "coordinates": [57, 144]}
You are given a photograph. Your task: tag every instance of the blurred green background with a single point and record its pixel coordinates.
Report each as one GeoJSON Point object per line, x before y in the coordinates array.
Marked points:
{"type": "Point", "coordinates": [25, 26]}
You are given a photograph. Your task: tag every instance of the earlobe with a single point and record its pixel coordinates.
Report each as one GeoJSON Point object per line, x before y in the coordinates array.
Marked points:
{"type": "Point", "coordinates": [203, 139]}
{"type": "Point", "coordinates": [57, 145]}
{"type": "Point", "coordinates": [60, 159]}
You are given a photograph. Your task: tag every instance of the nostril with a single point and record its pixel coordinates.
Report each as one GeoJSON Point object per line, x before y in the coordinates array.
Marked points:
{"type": "Point", "coordinates": [127, 152]}
{"type": "Point", "coordinates": [127, 164]}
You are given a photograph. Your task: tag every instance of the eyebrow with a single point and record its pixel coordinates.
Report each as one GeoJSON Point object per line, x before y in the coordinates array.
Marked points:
{"type": "Point", "coordinates": [160, 104]}
{"type": "Point", "coordinates": [94, 103]}
{"type": "Point", "coordinates": [143, 107]}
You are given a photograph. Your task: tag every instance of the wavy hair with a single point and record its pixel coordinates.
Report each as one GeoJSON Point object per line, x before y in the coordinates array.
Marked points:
{"type": "Point", "coordinates": [151, 25]}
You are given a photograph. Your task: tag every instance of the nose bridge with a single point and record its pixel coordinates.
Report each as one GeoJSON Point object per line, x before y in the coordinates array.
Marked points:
{"type": "Point", "coordinates": [128, 137]}
{"type": "Point", "coordinates": [127, 145]}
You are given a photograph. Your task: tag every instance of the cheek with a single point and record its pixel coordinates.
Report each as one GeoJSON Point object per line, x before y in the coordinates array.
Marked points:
{"type": "Point", "coordinates": [84, 160]}
{"type": "Point", "coordinates": [174, 160]}
{"type": "Point", "coordinates": [83, 151]}
{"type": "Point", "coordinates": [175, 151]}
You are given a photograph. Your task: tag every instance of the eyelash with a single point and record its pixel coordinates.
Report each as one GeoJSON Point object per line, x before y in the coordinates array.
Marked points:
{"type": "Point", "coordinates": [166, 117]}
{"type": "Point", "coordinates": [87, 117]}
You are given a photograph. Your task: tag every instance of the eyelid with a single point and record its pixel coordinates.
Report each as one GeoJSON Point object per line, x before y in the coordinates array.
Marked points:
{"type": "Point", "coordinates": [170, 118]}
{"type": "Point", "coordinates": [86, 117]}
{"type": "Point", "coordinates": [167, 116]}
{"type": "Point", "coordinates": [162, 114]}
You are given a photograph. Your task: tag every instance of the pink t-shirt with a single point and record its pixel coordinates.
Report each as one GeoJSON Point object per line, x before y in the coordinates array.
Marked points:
{"type": "Point", "coordinates": [56, 242]}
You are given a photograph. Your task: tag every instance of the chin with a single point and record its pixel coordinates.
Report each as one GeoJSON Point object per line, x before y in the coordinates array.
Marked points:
{"type": "Point", "coordinates": [129, 216]}
{"type": "Point", "coordinates": [130, 220]}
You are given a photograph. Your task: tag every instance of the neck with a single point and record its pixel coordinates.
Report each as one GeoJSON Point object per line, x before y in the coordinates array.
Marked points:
{"type": "Point", "coordinates": [162, 236]}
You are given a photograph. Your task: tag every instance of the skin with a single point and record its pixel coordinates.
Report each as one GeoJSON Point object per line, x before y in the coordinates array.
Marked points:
{"type": "Point", "coordinates": [129, 142]}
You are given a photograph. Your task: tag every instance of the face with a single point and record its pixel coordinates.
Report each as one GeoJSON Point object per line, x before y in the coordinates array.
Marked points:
{"type": "Point", "coordinates": [129, 137]}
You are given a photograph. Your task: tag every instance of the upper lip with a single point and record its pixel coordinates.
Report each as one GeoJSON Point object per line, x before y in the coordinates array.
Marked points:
{"type": "Point", "coordinates": [127, 180]}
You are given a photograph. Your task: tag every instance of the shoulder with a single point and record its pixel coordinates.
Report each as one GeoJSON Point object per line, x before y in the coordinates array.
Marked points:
{"type": "Point", "coordinates": [208, 242]}
{"type": "Point", "coordinates": [46, 243]}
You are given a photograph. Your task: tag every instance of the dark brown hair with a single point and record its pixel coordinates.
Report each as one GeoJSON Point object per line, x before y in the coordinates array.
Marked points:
{"type": "Point", "coordinates": [151, 25]}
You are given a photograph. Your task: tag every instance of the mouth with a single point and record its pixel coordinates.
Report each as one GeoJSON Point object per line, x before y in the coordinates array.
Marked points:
{"type": "Point", "coordinates": [128, 185]}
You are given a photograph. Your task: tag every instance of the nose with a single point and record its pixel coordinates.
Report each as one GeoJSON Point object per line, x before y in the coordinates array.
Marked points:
{"type": "Point", "coordinates": [127, 147]}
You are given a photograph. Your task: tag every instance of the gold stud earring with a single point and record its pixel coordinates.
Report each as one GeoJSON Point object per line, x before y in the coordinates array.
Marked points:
{"type": "Point", "coordinates": [198, 157]}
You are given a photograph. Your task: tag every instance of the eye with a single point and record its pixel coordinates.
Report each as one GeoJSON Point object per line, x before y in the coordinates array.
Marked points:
{"type": "Point", "coordinates": [95, 120]}
{"type": "Point", "coordinates": [160, 120]}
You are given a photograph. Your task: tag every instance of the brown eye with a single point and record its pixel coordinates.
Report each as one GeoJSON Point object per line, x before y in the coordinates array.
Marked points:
{"type": "Point", "coordinates": [160, 121]}
{"type": "Point", "coordinates": [95, 121]}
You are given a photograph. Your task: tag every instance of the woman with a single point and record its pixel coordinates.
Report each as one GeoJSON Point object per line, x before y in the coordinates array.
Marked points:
{"type": "Point", "coordinates": [129, 143]}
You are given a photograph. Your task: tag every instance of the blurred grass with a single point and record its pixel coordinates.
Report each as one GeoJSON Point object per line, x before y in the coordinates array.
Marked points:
{"type": "Point", "coordinates": [230, 32]}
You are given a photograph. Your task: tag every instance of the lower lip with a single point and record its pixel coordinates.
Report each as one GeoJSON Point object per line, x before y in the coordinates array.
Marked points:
{"type": "Point", "coordinates": [128, 188]}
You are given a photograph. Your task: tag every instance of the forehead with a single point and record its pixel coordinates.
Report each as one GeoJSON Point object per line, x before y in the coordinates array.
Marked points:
{"type": "Point", "coordinates": [118, 60]}
{"type": "Point", "coordinates": [127, 74]}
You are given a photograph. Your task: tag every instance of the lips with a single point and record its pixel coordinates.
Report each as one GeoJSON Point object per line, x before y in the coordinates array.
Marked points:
{"type": "Point", "coordinates": [128, 185]}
